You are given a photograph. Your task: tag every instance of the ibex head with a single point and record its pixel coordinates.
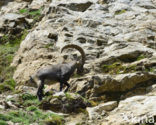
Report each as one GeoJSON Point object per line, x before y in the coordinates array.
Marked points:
{"type": "Point", "coordinates": [79, 64]}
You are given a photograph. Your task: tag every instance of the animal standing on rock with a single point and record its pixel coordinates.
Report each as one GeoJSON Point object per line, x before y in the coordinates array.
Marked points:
{"type": "Point", "coordinates": [58, 73]}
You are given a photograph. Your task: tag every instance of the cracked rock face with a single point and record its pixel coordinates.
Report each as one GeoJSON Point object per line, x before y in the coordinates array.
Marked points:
{"type": "Point", "coordinates": [118, 37]}
{"type": "Point", "coordinates": [137, 109]}
{"type": "Point", "coordinates": [119, 30]}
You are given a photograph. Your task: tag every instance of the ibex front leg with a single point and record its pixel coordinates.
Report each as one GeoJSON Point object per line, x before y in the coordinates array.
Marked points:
{"type": "Point", "coordinates": [40, 89]}
{"type": "Point", "coordinates": [61, 86]}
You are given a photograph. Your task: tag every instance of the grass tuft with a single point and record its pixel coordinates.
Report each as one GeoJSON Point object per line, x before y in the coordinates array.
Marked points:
{"type": "Point", "coordinates": [9, 45]}
{"type": "Point", "coordinates": [3, 122]}
{"type": "Point", "coordinates": [32, 115]}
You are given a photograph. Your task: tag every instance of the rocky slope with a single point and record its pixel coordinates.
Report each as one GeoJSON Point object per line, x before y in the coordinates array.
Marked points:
{"type": "Point", "coordinates": [119, 39]}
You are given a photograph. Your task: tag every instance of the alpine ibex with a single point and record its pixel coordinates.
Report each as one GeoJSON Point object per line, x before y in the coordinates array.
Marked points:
{"type": "Point", "coordinates": [58, 73]}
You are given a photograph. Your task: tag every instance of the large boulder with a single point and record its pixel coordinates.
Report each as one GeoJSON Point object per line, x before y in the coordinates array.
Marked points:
{"type": "Point", "coordinates": [120, 83]}
{"type": "Point", "coordinates": [95, 85]}
{"type": "Point", "coordinates": [134, 110]}
{"type": "Point", "coordinates": [65, 102]}
{"type": "Point", "coordinates": [99, 110]}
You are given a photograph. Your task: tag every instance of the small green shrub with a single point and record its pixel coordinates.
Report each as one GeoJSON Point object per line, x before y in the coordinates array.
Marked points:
{"type": "Point", "coordinates": [23, 11]}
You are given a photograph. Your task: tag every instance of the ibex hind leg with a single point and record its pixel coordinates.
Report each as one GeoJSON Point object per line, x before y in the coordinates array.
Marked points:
{"type": "Point", "coordinates": [40, 89]}
{"type": "Point", "coordinates": [67, 84]}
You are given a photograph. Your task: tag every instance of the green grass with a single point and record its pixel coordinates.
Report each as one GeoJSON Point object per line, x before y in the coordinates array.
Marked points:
{"type": "Point", "coordinates": [30, 12]}
{"type": "Point", "coordinates": [34, 14]}
{"type": "Point", "coordinates": [30, 113]}
{"type": "Point", "coordinates": [28, 100]}
{"type": "Point", "coordinates": [118, 68]}
{"type": "Point", "coordinates": [4, 39]}
{"type": "Point", "coordinates": [22, 11]}
{"type": "Point", "coordinates": [8, 46]}
{"type": "Point", "coordinates": [114, 68]}
{"type": "Point", "coordinates": [30, 116]}
{"type": "Point", "coordinates": [3, 122]}
{"type": "Point", "coordinates": [31, 108]}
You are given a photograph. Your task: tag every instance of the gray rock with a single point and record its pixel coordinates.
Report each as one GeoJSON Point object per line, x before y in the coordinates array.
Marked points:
{"type": "Point", "coordinates": [95, 112]}
{"type": "Point", "coordinates": [2, 107]}
{"type": "Point", "coordinates": [133, 110]}
{"type": "Point", "coordinates": [12, 17]}
{"type": "Point", "coordinates": [77, 6]}
{"type": "Point", "coordinates": [120, 83]}
{"type": "Point", "coordinates": [66, 103]}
